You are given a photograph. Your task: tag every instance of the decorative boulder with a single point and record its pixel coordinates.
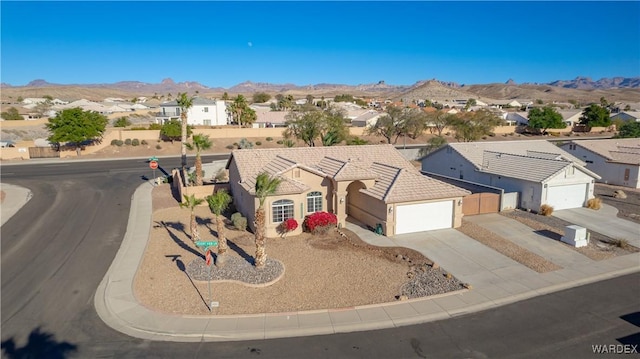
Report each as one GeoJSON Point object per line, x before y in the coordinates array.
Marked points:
{"type": "Point", "coordinates": [619, 194]}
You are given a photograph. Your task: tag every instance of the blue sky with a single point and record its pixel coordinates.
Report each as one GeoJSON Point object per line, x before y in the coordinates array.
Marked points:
{"type": "Point", "coordinates": [225, 43]}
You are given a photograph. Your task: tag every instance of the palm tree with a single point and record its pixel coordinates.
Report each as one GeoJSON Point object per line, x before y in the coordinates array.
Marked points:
{"type": "Point", "coordinates": [185, 102]}
{"type": "Point", "coordinates": [191, 202]}
{"type": "Point", "coordinates": [200, 142]}
{"type": "Point", "coordinates": [218, 203]}
{"type": "Point", "coordinates": [265, 186]}
{"type": "Point", "coordinates": [239, 105]}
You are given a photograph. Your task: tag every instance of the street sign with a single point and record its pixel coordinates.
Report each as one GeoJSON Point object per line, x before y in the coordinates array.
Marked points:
{"type": "Point", "coordinates": [206, 244]}
{"type": "Point", "coordinates": [153, 165]}
{"type": "Point", "coordinates": [209, 258]}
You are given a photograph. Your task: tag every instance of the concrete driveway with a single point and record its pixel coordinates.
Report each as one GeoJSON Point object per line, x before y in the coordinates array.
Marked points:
{"type": "Point", "coordinates": [604, 220]}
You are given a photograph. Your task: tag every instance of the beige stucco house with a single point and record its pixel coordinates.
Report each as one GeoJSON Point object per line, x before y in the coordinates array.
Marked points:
{"type": "Point", "coordinates": [370, 184]}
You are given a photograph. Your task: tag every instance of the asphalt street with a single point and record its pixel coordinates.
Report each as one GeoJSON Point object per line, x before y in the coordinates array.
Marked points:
{"type": "Point", "coordinates": [56, 250]}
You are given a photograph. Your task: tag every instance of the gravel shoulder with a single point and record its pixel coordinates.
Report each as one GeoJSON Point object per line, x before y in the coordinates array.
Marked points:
{"type": "Point", "coordinates": [334, 271]}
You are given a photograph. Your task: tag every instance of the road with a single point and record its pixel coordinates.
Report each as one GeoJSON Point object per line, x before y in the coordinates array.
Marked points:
{"type": "Point", "coordinates": [56, 250]}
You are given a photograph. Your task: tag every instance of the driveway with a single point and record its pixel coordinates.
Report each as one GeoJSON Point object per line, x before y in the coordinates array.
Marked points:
{"type": "Point", "coordinates": [604, 221]}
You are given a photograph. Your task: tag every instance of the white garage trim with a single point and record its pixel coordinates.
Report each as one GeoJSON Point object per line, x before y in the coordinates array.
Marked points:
{"type": "Point", "coordinates": [424, 217]}
{"type": "Point", "coordinates": [567, 196]}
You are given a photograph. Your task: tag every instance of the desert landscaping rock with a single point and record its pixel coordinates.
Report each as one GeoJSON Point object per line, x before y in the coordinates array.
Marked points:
{"type": "Point", "coordinates": [237, 269]}
{"type": "Point", "coordinates": [430, 282]}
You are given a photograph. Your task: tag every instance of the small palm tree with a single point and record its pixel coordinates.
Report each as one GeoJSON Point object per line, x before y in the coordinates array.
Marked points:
{"type": "Point", "coordinates": [218, 203]}
{"type": "Point", "coordinates": [200, 143]}
{"type": "Point", "coordinates": [191, 202]}
{"type": "Point", "coordinates": [265, 186]}
{"type": "Point", "coordinates": [185, 102]}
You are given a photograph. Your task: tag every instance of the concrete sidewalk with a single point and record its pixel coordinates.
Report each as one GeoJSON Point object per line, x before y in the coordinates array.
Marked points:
{"type": "Point", "coordinates": [496, 280]}
{"type": "Point", "coordinates": [605, 221]}
{"type": "Point", "coordinates": [14, 198]}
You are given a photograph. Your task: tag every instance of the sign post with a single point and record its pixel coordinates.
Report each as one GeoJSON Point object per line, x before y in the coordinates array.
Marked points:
{"type": "Point", "coordinates": [153, 164]}
{"type": "Point", "coordinates": [209, 261]}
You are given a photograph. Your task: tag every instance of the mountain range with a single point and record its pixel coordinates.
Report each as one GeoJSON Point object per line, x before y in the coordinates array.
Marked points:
{"type": "Point", "coordinates": [168, 85]}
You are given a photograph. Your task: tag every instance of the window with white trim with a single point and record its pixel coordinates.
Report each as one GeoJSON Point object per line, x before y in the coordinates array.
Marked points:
{"type": "Point", "coordinates": [314, 202]}
{"type": "Point", "coordinates": [281, 210]}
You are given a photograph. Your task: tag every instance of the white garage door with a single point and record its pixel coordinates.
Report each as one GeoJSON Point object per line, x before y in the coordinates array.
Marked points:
{"type": "Point", "coordinates": [565, 197]}
{"type": "Point", "coordinates": [424, 217]}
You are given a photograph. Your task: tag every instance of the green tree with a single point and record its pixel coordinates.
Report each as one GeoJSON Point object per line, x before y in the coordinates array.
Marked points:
{"type": "Point", "coordinates": [191, 202]}
{"type": "Point", "coordinates": [438, 121]}
{"type": "Point", "coordinates": [48, 97]}
{"type": "Point", "coordinates": [240, 111]}
{"type": "Point", "coordinates": [261, 97]}
{"type": "Point", "coordinates": [225, 96]}
{"type": "Point", "coordinates": [20, 99]}
{"type": "Point", "coordinates": [265, 186]}
{"type": "Point", "coordinates": [310, 99]}
{"type": "Point", "coordinates": [343, 98]}
{"type": "Point", "coordinates": [200, 143]}
{"type": "Point", "coordinates": [473, 125]}
{"type": "Point", "coordinates": [121, 122]}
{"type": "Point", "coordinates": [595, 116]}
{"type": "Point", "coordinates": [76, 127]}
{"type": "Point", "coordinates": [172, 130]}
{"type": "Point", "coordinates": [218, 203]}
{"type": "Point", "coordinates": [629, 130]}
{"type": "Point", "coordinates": [185, 103]}
{"type": "Point", "coordinates": [544, 118]}
{"type": "Point", "coordinates": [413, 122]}
{"type": "Point", "coordinates": [433, 144]}
{"type": "Point", "coordinates": [470, 102]}
{"type": "Point", "coordinates": [11, 114]}
{"type": "Point", "coordinates": [388, 126]}
{"type": "Point", "coordinates": [311, 123]}
{"type": "Point", "coordinates": [285, 102]}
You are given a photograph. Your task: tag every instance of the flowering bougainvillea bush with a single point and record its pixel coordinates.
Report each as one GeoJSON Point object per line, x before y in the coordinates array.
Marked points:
{"type": "Point", "coordinates": [287, 226]}
{"type": "Point", "coordinates": [320, 222]}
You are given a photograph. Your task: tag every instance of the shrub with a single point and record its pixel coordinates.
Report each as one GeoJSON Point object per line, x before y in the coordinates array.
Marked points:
{"type": "Point", "coordinates": [119, 143]}
{"type": "Point", "coordinates": [158, 147]}
{"type": "Point", "coordinates": [138, 128]}
{"type": "Point", "coordinates": [546, 210]}
{"type": "Point", "coordinates": [113, 142]}
{"type": "Point", "coordinates": [135, 142]}
{"type": "Point", "coordinates": [280, 142]}
{"type": "Point", "coordinates": [155, 126]}
{"type": "Point", "coordinates": [239, 222]}
{"type": "Point", "coordinates": [121, 122]}
{"type": "Point", "coordinates": [319, 222]}
{"type": "Point", "coordinates": [258, 143]}
{"type": "Point", "coordinates": [144, 142]}
{"type": "Point", "coordinates": [127, 142]}
{"type": "Point", "coordinates": [287, 226]}
{"type": "Point", "coordinates": [492, 134]}
{"type": "Point", "coordinates": [288, 143]}
{"type": "Point", "coordinates": [269, 139]}
{"type": "Point", "coordinates": [594, 203]}
{"type": "Point", "coordinates": [245, 144]}
{"type": "Point", "coordinates": [230, 147]}
{"type": "Point", "coordinates": [621, 243]}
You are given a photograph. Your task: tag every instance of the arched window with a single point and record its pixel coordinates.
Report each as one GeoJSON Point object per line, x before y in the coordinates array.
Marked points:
{"type": "Point", "coordinates": [314, 202]}
{"type": "Point", "coordinates": [281, 210]}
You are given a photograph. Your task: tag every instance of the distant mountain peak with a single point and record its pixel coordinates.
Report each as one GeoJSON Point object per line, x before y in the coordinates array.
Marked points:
{"type": "Point", "coordinates": [510, 82]}
{"type": "Point", "coordinates": [167, 81]}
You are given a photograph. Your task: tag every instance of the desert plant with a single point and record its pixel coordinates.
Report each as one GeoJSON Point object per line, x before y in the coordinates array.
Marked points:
{"type": "Point", "coordinates": [127, 142]}
{"type": "Point", "coordinates": [621, 243]}
{"type": "Point", "coordinates": [114, 142]}
{"type": "Point", "coordinates": [222, 175]}
{"type": "Point", "coordinates": [288, 225]}
{"type": "Point", "coordinates": [258, 143]}
{"type": "Point", "coordinates": [265, 186]}
{"type": "Point", "coordinates": [135, 142]}
{"type": "Point", "coordinates": [121, 122]}
{"type": "Point", "coordinates": [239, 222]}
{"type": "Point", "coordinates": [218, 203]}
{"type": "Point", "coordinates": [269, 139]}
{"type": "Point", "coordinates": [279, 142]}
{"type": "Point", "coordinates": [546, 210]}
{"type": "Point", "coordinates": [155, 126]}
{"type": "Point", "coordinates": [191, 202]}
{"type": "Point", "coordinates": [245, 144]}
{"type": "Point", "coordinates": [119, 143]}
{"type": "Point", "coordinates": [158, 147]}
{"type": "Point", "coordinates": [200, 142]}
{"type": "Point", "coordinates": [230, 147]}
{"type": "Point", "coordinates": [289, 143]}
{"type": "Point", "coordinates": [319, 222]}
{"type": "Point", "coordinates": [594, 203]}
{"type": "Point", "coordinates": [144, 142]}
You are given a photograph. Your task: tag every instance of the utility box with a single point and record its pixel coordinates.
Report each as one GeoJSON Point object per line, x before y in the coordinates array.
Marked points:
{"type": "Point", "coordinates": [575, 236]}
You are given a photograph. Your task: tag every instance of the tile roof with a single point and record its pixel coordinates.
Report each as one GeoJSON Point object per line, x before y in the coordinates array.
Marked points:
{"type": "Point", "coordinates": [619, 150]}
{"type": "Point", "coordinates": [534, 169]}
{"type": "Point", "coordinates": [397, 180]}
{"type": "Point", "coordinates": [473, 151]}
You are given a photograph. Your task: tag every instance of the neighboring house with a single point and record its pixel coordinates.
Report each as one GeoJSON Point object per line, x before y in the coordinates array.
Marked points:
{"type": "Point", "coordinates": [538, 170]}
{"type": "Point", "coordinates": [627, 116]}
{"type": "Point", "coordinates": [571, 117]}
{"type": "Point", "coordinates": [37, 100]}
{"type": "Point", "coordinates": [372, 184]}
{"type": "Point", "coordinates": [267, 118]}
{"type": "Point", "coordinates": [367, 119]}
{"type": "Point", "coordinates": [203, 112]}
{"type": "Point", "coordinates": [617, 161]}
{"type": "Point", "coordinates": [516, 118]}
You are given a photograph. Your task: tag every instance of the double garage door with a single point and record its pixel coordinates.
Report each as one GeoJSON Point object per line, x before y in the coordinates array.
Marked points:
{"type": "Point", "coordinates": [424, 217]}
{"type": "Point", "coordinates": [568, 196]}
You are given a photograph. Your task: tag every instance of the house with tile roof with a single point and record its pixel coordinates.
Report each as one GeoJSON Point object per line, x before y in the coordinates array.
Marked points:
{"type": "Point", "coordinates": [202, 112]}
{"type": "Point", "coordinates": [371, 184]}
{"type": "Point", "coordinates": [633, 116]}
{"type": "Point", "coordinates": [617, 161]}
{"type": "Point", "coordinates": [539, 171]}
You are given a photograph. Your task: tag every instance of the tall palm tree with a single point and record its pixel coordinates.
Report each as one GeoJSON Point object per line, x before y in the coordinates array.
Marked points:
{"type": "Point", "coordinates": [191, 202]}
{"type": "Point", "coordinates": [218, 203]}
{"type": "Point", "coordinates": [185, 102]}
{"type": "Point", "coordinates": [200, 142]}
{"type": "Point", "coordinates": [239, 106]}
{"type": "Point", "coordinates": [265, 186]}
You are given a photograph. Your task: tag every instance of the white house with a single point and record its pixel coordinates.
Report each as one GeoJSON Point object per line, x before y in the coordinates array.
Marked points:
{"type": "Point", "coordinates": [202, 112]}
{"type": "Point", "coordinates": [617, 161]}
{"type": "Point", "coordinates": [539, 171]}
{"type": "Point", "coordinates": [571, 117]}
{"type": "Point", "coordinates": [367, 119]}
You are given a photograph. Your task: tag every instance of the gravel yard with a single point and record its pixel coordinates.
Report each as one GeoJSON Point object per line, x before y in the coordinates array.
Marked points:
{"type": "Point", "coordinates": [629, 208]}
{"type": "Point", "coordinates": [508, 248]}
{"type": "Point", "coordinates": [334, 271]}
{"type": "Point", "coordinates": [599, 246]}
